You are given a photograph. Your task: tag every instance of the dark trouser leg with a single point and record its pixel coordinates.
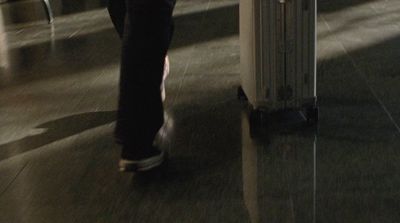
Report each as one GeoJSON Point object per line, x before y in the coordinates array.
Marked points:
{"type": "Point", "coordinates": [146, 38]}
{"type": "Point", "coordinates": [117, 11]}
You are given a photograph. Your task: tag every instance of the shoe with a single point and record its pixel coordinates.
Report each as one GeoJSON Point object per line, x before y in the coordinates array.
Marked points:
{"type": "Point", "coordinates": [142, 164]}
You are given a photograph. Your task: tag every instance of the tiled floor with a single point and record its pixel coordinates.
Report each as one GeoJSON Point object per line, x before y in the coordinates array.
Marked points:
{"type": "Point", "coordinates": [58, 92]}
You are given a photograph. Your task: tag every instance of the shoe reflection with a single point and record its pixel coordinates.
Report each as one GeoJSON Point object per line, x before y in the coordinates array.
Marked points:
{"type": "Point", "coordinates": [279, 174]}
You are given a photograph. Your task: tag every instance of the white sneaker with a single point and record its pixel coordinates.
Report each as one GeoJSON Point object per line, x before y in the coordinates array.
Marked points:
{"type": "Point", "coordinates": [144, 164]}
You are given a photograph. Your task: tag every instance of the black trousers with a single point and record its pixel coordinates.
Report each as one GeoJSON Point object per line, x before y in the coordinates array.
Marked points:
{"type": "Point", "coordinates": [145, 28]}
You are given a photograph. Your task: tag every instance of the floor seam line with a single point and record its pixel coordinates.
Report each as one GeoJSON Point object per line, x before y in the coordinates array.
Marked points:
{"type": "Point", "coordinates": [363, 77]}
{"type": "Point", "coordinates": [188, 64]}
{"type": "Point", "coordinates": [13, 180]}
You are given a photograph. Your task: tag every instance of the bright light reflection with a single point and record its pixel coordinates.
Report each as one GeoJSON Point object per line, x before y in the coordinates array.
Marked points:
{"type": "Point", "coordinates": [361, 27]}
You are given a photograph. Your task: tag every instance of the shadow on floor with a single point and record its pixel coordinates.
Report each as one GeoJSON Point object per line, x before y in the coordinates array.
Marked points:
{"type": "Point", "coordinates": [43, 60]}
{"type": "Point", "coordinates": [373, 67]}
{"type": "Point", "coordinates": [56, 130]}
{"type": "Point", "coordinates": [378, 60]}
{"type": "Point", "coordinates": [15, 11]}
{"type": "Point", "coordinates": [76, 6]}
{"type": "Point", "coordinates": [326, 6]}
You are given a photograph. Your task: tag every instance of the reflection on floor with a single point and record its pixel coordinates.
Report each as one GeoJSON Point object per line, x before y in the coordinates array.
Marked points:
{"type": "Point", "coordinates": [58, 92]}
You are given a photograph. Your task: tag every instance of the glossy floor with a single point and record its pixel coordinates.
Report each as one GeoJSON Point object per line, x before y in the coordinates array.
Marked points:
{"type": "Point", "coordinates": [58, 92]}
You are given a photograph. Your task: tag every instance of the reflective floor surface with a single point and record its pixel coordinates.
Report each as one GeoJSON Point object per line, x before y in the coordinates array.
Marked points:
{"type": "Point", "coordinates": [58, 93]}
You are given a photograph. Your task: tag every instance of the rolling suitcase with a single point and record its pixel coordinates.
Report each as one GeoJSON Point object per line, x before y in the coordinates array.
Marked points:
{"type": "Point", "coordinates": [278, 55]}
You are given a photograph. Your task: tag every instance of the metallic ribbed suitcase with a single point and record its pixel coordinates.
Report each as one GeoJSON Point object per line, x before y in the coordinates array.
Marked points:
{"type": "Point", "coordinates": [278, 54]}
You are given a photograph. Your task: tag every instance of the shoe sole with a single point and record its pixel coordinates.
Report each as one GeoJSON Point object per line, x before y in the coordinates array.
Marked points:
{"type": "Point", "coordinates": [142, 165]}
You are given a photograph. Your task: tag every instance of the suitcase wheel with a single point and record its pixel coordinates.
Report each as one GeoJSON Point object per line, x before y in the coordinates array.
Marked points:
{"type": "Point", "coordinates": [258, 117]}
{"type": "Point", "coordinates": [258, 121]}
{"type": "Point", "coordinates": [312, 115]}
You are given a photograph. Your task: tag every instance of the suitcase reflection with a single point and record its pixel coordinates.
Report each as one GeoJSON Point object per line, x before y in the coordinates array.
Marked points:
{"type": "Point", "coordinates": [279, 175]}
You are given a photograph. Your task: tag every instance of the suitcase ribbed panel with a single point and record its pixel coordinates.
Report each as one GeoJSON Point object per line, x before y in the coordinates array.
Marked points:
{"type": "Point", "coordinates": [278, 39]}
{"type": "Point", "coordinates": [248, 49]}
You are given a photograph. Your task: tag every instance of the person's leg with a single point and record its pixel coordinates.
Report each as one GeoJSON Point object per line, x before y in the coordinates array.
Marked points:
{"type": "Point", "coordinates": [117, 11]}
{"type": "Point", "coordinates": [146, 38]}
